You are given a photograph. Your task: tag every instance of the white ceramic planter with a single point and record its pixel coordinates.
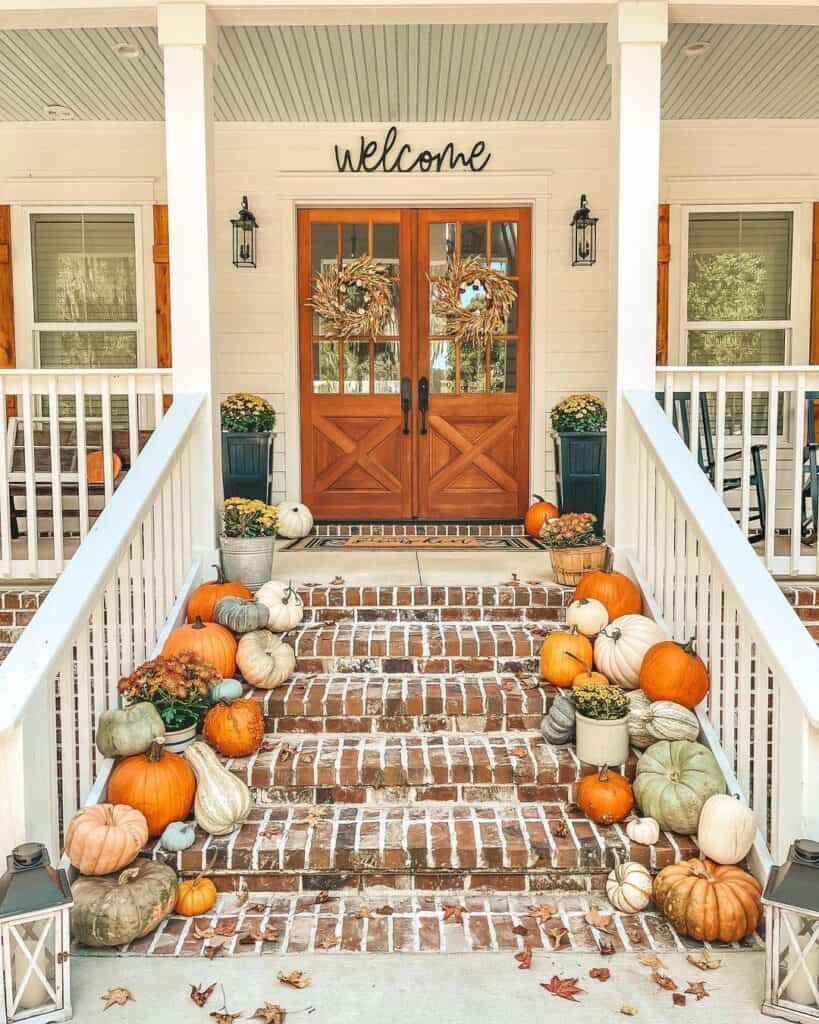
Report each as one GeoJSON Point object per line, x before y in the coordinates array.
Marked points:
{"type": "Point", "coordinates": [178, 739]}
{"type": "Point", "coordinates": [602, 742]}
{"type": "Point", "coordinates": [248, 559]}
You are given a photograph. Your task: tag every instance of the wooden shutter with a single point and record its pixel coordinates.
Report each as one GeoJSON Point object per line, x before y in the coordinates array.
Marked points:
{"type": "Point", "coordinates": [663, 256]}
{"type": "Point", "coordinates": [8, 358]}
{"type": "Point", "coordinates": [162, 288]}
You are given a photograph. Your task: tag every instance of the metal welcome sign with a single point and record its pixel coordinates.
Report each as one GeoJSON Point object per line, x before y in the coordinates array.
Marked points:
{"type": "Point", "coordinates": [384, 156]}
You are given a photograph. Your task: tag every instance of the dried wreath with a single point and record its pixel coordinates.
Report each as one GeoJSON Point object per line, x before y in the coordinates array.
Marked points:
{"type": "Point", "coordinates": [474, 299]}
{"type": "Point", "coordinates": [354, 299]}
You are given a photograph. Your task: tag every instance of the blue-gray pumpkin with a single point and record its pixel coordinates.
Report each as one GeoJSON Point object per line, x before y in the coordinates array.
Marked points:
{"type": "Point", "coordinates": [228, 690]}
{"type": "Point", "coordinates": [178, 836]}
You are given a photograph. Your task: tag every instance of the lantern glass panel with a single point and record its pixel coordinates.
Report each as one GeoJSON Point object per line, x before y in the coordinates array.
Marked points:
{"type": "Point", "coordinates": [796, 970]}
{"type": "Point", "coordinates": [33, 982]}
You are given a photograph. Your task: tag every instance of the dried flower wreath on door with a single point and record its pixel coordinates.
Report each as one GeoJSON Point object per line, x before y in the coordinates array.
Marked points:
{"type": "Point", "coordinates": [473, 299]}
{"type": "Point", "coordinates": [353, 300]}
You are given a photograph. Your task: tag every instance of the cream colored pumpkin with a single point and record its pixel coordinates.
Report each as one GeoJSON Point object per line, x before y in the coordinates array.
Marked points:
{"type": "Point", "coordinates": [727, 829]}
{"type": "Point", "coordinates": [644, 831]}
{"type": "Point", "coordinates": [223, 801]}
{"type": "Point", "coordinates": [666, 720]}
{"type": "Point", "coordinates": [628, 887]}
{"type": "Point", "coordinates": [295, 520]}
{"type": "Point", "coordinates": [102, 838]}
{"type": "Point", "coordinates": [286, 608]}
{"type": "Point", "coordinates": [264, 659]}
{"type": "Point", "coordinates": [638, 708]}
{"type": "Point", "coordinates": [588, 615]}
{"type": "Point", "coordinates": [620, 648]}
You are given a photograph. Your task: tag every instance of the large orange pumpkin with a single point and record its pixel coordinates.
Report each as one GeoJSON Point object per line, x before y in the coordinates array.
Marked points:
{"type": "Point", "coordinates": [158, 783]}
{"type": "Point", "coordinates": [672, 671]}
{"type": "Point", "coordinates": [203, 600]}
{"type": "Point", "coordinates": [235, 728]}
{"type": "Point", "coordinates": [560, 654]}
{"type": "Point", "coordinates": [212, 642]}
{"type": "Point", "coordinates": [537, 514]}
{"type": "Point", "coordinates": [614, 590]}
{"type": "Point", "coordinates": [605, 797]}
{"type": "Point", "coordinates": [103, 838]}
{"type": "Point", "coordinates": [707, 901]}
{"type": "Point", "coordinates": [195, 896]}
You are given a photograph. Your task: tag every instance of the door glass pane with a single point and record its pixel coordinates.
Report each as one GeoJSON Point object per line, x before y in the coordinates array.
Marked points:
{"type": "Point", "coordinates": [387, 370]}
{"type": "Point", "coordinates": [473, 367]}
{"type": "Point", "coordinates": [505, 246]}
{"type": "Point", "coordinates": [385, 241]}
{"type": "Point", "coordinates": [512, 319]}
{"type": "Point", "coordinates": [325, 368]}
{"type": "Point", "coordinates": [442, 367]}
{"type": "Point", "coordinates": [324, 246]}
{"type": "Point", "coordinates": [355, 240]}
{"type": "Point", "coordinates": [441, 247]}
{"type": "Point", "coordinates": [437, 324]}
{"type": "Point", "coordinates": [473, 238]}
{"type": "Point", "coordinates": [392, 324]}
{"type": "Point", "coordinates": [356, 367]}
{"type": "Point", "coordinates": [504, 366]}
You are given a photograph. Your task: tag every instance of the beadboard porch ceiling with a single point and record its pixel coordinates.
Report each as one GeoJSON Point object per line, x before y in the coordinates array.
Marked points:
{"type": "Point", "coordinates": [406, 73]}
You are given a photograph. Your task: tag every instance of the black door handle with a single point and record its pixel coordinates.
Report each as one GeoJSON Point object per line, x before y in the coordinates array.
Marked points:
{"type": "Point", "coordinates": [406, 402]}
{"type": "Point", "coordinates": [423, 402]}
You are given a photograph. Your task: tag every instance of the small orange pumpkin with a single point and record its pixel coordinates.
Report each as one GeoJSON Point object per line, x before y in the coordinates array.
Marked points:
{"type": "Point", "coordinates": [675, 672]}
{"type": "Point", "coordinates": [588, 677]}
{"type": "Point", "coordinates": [617, 592]}
{"type": "Point", "coordinates": [605, 797]}
{"type": "Point", "coordinates": [235, 728]}
{"type": "Point", "coordinates": [203, 600]}
{"type": "Point", "coordinates": [537, 514]}
{"type": "Point", "coordinates": [212, 642]}
{"type": "Point", "coordinates": [158, 783]}
{"type": "Point", "coordinates": [195, 896]}
{"type": "Point", "coordinates": [560, 653]}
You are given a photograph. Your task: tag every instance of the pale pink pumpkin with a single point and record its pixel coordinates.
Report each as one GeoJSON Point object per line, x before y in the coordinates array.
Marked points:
{"type": "Point", "coordinates": [103, 838]}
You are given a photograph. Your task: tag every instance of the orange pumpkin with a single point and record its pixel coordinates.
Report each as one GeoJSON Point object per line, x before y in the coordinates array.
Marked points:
{"type": "Point", "coordinates": [103, 838]}
{"type": "Point", "coordinates": [672, 671]}
{"type": "Point", "coordinates": [158, 783]}
{"type": "Point", "coordinates": [212, 642]}
{"type": "Point", "coordinates": [560, 653]}
{"type": "Point", "coordinates": [605, 797]}
{"type": "Point", "coordinates": [195, 896]}
{"type": "Point", "coordinates": [537, 514]}
{"type": "Point", "coordinates": [203, 600]}
{"type": "Point", "coordinates": [707, 901]}
{"type": "Point", "coordinates": [588, 677]}
{"type": "Point", "coordinates": [614, 590]}
{"type": "Point", "coordinates": [235, 728]}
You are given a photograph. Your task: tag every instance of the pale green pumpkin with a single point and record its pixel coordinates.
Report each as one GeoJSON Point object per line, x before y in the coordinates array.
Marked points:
{"type": "Point", "coordinates": [125, 731]}
{"type": "Point", "coordinates": [674, 779]}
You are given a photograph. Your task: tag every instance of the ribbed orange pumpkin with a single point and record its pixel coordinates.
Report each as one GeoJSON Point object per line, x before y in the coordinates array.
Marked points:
{"type": "Point", "coordinates": [605, 797]}
{"type": "Point", "coordinates": [103, 838]}
{"type": "Point", "coordinates": [235, 728]}
{"type": "Point", "coordinates": [158, 783]}
{"type": "Point", "coordinates": [560, 654]}
{"type": "Point", "coordinates": [212, 642]}
{"type": "Point", "coordinates": [195, 896]}
{"type": "Point", "coordinates": [537, 514]}
{"type": "Point", "coordinates": [614, 590]}
{"type": "Point", "coordinates": [204, 599]}
{"type": "Point", "coordinates": [707, 901]}
{"type": "Point", "coordinates": [672, 671]}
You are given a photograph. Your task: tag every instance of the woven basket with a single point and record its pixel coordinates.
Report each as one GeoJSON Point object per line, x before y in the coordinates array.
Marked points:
{"type": "Point", "coordinates": [569, 565]}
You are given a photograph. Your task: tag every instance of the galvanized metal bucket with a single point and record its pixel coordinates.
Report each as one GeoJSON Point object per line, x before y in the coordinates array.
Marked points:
{"type": "Point", "coordinates": [248, 559]}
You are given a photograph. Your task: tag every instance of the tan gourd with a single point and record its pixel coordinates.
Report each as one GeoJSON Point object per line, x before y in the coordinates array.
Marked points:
{"type": "Point", "coordinates": [223, 801]}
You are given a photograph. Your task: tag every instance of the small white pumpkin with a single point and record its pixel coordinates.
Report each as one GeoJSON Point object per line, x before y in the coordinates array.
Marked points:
{"type": "Point", "coordinates": [286, 607]}
{"type": "Point", "coordinates": [638, 708]}
{"type": "Point", "coordinates": [295, 520]}
{"type": "Point", "coordinates": [644, 831]}
{"type": "Point", "coordinates": [223, 801]}
{"type": "Point", "coordinates": [620, 648]}
{"type": "Point", "coordinates": [628, 887]}
{"type": "Point", "coordinates": [727, 829]}
{"type": "Point", "coordinates": [588, 615]}
{"type": "Point", "coordinates": [264, 659]}
{"type": "Point", "coordinates": [666, 720]}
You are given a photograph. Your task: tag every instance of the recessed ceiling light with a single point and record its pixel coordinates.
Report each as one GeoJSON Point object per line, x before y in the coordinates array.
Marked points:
{"type": "Point", "coordinates": [57, 112]}
{"type": "Point", "coordinates": [697, 49]}
{"type": "Point", "coordinates": [127, 51]}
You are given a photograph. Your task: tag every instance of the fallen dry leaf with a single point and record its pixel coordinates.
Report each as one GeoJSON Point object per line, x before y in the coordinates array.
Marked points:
{"type": "Point", "coordinates": [663, 981]}
{"type": "Point", "coordinates": [606, 948]}
{"type": "Point", "coordinates": [286, 754]}
{"type": "Point", "coordinates": [388, 911]}
{"type": "Point", "coordinates": [519, 752]}
{"type": "Point", "coordinates": [452, 912]}
{"type": "Point", "coordinates": [564, 988]}
{"type": "Point", "coordinates": [602, 922]}
{"type": "Point", "coordinates": [542, 912]}
{"type": "Point", "coordinates": [635, 934]}
{"type": "Point", "coordinates": [227, 927]}
{"type": "Point", "coordinates": [362, 913]}
{"type": "Point", "coordinates": [328, 941]}
{"type": "Point", "coordinates": [267, 934]}
{"type": "Point", "coordinates": [315, 815]}
{"type": "Point", "coordinates": [508, 686]}
{"type": "Point", "coordinates": [214, 950]}
{"type": "Point", "coordinates": [678, 999]}
{"type": "Point", "coordinates": [628, 1010]}
{"type": "Point", "coordinates": [306, 759]}
{"type": "Point", "coordinates": [246, 939]}
{"type": "Point", "coordinates": [298, 979]}
{"type": "Point", "coordinates": [524, 957]}
{"type": "Point", "coordinates": [571, 808]}
{"type": "Point", "coordinates": [703, 959]}
{"type": "Point", "coordinates": [241, 897]}
{"type": "Point", "coordinates": [201, 995]}
{"type": "Point", "coordinates": [558, 935]}
{"type": "Point", "coordinates": [203, 933]}
{"type": "Point", "coordinates": [697, 988]}
{"type": "Point", "coordinates": [600, 973]}
{"type": "Point", "coordinates": [257, 908]}
{"type": "Point", "coordinates": [520, 930]}
{"type": "Point", "coordinates": [223, 1017]}
{"type": "Point", "coordinates": [270, 1013]}
{"type": "Point", "coordinates": [651, 960]}
{"type": "Point", "coordinates": [323, 897]}
{"type": "Point", "coordinates": [560, 829]}
{"type": "Point", "coordinates": [117, 997]}
{"type": "Point", "coordinates": [337, 581]}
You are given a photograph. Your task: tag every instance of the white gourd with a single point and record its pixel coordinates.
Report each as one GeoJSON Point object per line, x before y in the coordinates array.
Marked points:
{"type": "Point", "coordinates": [286, 608]}
{"type": "Point", "coordinates": [223, 801]}
{"type": "Point", "coordinates": [295, 520]}
{"type": "Point", "coordinates": [727, 829]}
{"type": "Point", "coordinates": [628, 887]}
{"type": "Point", "coordinates": [644, 831]}
{"type": "Point", "coordinates": [638, 708]}
{"type": "Point", "coordinates": [666, 720]}
{"type": "Point", "coordinates": [588, 615]}
{"type": "Point", "coordinates": [264, 659]}
{"type": "Point", "coordinates": [620, 648]}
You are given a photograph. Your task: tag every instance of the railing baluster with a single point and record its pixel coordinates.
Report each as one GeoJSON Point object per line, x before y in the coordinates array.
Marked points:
{"type": "Point", "coordinates": [68, 742]}
{"type": "Point", "coordinates": [694, 404]}
{"type": "Point", "coordinates": [82, 454]}
{"type": "Point", "coordinates": [796, 490]}
{"type": "Point", "coordinates": [747, 425]}
{"type": "Point", "coordinates": [679, 572]}
{"type": "Point", "coordinates": [5, 496]}
{"type": "Point", "coordinates": [57, 526]}
{"type": "Point", "coordinates": [133, 421]}
{"type": "Point", "coordinates": [770, 497]}
{"type": "Point", "coordinates": [744, 701]}
{"type": "Point", "coordinates": [186, 506]}
{"type": "Point", "coordinates": [85, 711]}
{"type": "Point", "coordinates": [150, 581]}
{"type": "Point", "coordinates": [32, 538]}
{"type": "Point", "coordinates": [107, 447]}
{"type": "Point", "coordinates": [719, 469]}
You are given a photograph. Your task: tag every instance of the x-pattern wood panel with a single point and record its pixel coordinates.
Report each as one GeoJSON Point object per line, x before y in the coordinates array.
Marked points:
{"type": "Point", "coordinates": [472, 453]}
{"type": "Point", "coordinates": [357, 453]}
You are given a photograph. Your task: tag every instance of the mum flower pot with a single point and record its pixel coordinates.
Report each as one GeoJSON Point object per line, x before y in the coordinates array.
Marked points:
{"type": "Point", "coordinates": [570, 565]}
{"type": "Point", "coordinates": [602, 740]}
{"type": "Point", "coordinates": [177, 739]}
{"type": "Point", "coordinates": [248, 559]}
{"type": "Point", "coordinates": [246, 464]}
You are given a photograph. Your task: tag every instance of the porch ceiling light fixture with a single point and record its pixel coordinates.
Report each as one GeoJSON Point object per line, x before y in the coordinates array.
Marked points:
{"type": "Point", "coordinates": [57, 112]}
{"type": "Point", "coordinates": [127, 51]}
{"type": "Point", "coordinates": [244, 237]}
{"type": "Point", "coordinates": [697, 48]}
{"type": "Point", "coordinates": [584, 236]}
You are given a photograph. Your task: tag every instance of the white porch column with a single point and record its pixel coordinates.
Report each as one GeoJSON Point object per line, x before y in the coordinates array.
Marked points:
{"type": "Point", "coordinates": [187, 36]}
{"type": "Point", "coordinates": [637, 33]}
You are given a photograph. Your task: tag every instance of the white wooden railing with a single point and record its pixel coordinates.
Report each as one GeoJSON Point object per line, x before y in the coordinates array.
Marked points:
{"type": "Point", "coordinates": [758, 419]}
{"type": "Point", "coordinates": [106, 613]}
{"type": "Point", "coordinates": [50, 422]}
{"type": "Point", "coordinates": [761, 716]}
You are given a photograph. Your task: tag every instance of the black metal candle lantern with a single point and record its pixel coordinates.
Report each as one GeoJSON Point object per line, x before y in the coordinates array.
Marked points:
{"type": "Point", "coordinates": [584, 236]}
{"type": "Point", "coordinates": [244, 237]}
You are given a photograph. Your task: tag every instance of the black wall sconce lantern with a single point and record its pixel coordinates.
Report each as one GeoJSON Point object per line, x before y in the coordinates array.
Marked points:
{"type": "Point", "coordinates": [584, 236]}
{"type": "Point", "coordinates": [244, 237]}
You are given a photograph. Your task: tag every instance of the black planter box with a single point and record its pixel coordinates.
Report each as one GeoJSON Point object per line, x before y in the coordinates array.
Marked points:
{"type": "Point", "coordinates": [246, 465]}
{"type": "Point", "coordinates": [580, 465]}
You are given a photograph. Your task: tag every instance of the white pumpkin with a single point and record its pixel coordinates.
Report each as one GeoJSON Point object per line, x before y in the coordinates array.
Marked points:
{"type": "Point", "coordinates": [628, 887]}
{"type": "Point", "coordinates": [295, 520]}
{"type": "Point", "coordinates": [286, 607]}
{"type": "Point", "coordinates": [223, 801]}
{"type": "Point", "coordinates": [620, 648]}
{"type": "Point", "coordinates": [264, 659]}
{"type": "Point", "coordinates": [727, 829]}
{"type": "Point", "coordinates": [666, 720]}
{"type": "Point", "coordinates": [638, 708]}
{"type": "Point", "coordinates": [588, 615]}
{"type": "Point", "coordinates": [644, 831]}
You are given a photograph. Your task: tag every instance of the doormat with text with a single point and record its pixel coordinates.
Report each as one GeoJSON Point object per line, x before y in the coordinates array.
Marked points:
{"type": "Point", "coordinates": [370, 543]}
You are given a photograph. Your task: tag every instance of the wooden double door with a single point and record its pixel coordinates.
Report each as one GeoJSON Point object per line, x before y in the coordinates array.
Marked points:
{"type": "Point", "coordinates": [412, 424]}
